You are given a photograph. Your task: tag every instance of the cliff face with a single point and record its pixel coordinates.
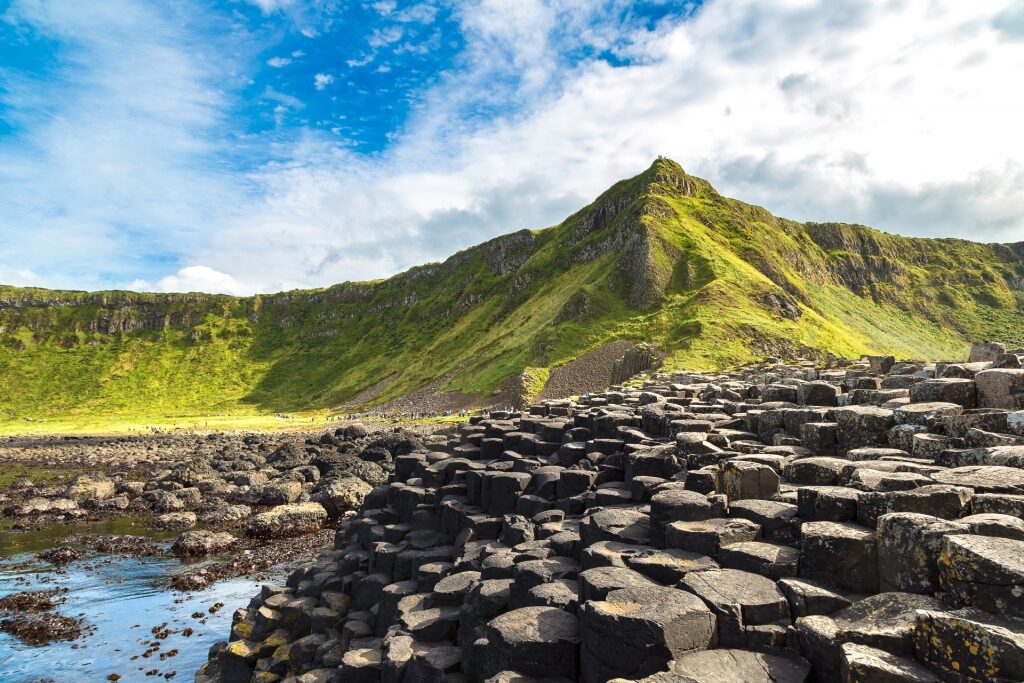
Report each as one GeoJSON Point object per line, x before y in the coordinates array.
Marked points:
{"type": "Point", "coordinates": [660, 258]}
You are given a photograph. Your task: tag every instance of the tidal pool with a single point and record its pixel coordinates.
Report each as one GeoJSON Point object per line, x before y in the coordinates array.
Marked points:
{"type": "Point", "coordinates": [121, 600]}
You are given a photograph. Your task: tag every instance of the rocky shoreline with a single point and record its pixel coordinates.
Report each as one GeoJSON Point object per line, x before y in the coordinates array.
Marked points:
{"type": "Point", "coordinates": [233, 504]}
{"type": "Point", "coordinates": [863, 522]}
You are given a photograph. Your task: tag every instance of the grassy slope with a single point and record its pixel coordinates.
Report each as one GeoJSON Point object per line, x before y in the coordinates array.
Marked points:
{"type": "Point", "coordinates": [659, 257]}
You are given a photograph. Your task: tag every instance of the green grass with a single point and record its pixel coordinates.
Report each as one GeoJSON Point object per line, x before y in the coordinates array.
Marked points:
{"type": "Point", "coordinates": [661, 257]}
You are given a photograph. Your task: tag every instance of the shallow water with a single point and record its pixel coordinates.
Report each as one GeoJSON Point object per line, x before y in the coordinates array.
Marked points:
{"type": "Point", "coordinates": [121, 599]}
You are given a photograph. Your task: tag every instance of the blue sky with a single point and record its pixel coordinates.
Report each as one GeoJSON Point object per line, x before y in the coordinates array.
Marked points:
{"type": "Point", "coordinates": [258, 145]}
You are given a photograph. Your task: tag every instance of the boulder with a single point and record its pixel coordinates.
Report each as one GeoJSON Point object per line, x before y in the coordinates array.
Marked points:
{"type": "Point", "coordinates": [338, 496]}
{"type": "Point", "coordinates": [89, 486]}
{"type": "Point", "coordinates": [202, 542]}
{"type": "Point", "coordinates": [287, 520]}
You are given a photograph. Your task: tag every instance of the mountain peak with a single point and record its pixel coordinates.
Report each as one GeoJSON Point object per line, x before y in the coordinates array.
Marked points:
{"type": "Point", "coordinates": [665, 173]}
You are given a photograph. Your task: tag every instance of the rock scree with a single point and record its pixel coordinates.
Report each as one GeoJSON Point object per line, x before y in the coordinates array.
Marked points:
{"type": "Point", "coordinates": [783, 523]}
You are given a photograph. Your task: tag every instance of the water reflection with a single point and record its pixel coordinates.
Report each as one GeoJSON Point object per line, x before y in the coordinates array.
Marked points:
{"type": "Point", "coordinates": [122, 600]}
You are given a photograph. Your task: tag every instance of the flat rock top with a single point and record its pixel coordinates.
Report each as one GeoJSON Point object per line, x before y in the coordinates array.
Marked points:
{"type": "Point", "coordinates": [650, 603]}
{"type": "Point", "coordinates": [535, 625]}
{"type": "Point", "coordinates": [838, 530]}
{"type": "Point", "coordinates": [733, 586]}
{"type": "Point", "coordinates": [729, 666]}
{"type": "Point", "coordinates": [984, 477]}
{"type": "Point", "coordinates": [985, 559]}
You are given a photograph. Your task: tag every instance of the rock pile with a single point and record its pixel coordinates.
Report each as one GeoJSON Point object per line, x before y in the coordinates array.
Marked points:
{"type": "Point", "coordinates": [229, 484]}
{"type": "Point", "coordinates": [783, 524]}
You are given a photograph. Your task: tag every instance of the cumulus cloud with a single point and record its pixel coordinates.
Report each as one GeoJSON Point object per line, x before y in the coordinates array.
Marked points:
{"type": "Point", "coordinates": [862, 113]}
{"type": "Point", "coordinates": [897, 115]}
{"type": "Point", "coordinates": [278, 62]}
{"type": "Point", "coordinates": [113, 162]}
{"type": "Point", "coordinates": [321, 81]}
{"type": "Point", "coordinates": [203, 279]}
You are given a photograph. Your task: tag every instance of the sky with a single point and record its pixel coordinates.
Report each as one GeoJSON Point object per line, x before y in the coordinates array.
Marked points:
{"type": "Point", "coordinates": [246, 146]}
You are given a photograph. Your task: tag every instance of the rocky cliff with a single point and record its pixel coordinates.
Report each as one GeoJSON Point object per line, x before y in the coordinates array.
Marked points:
{"type": "Point", "coordinates": [661, 258]}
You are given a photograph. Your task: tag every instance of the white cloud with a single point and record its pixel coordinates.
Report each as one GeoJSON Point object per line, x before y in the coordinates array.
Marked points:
{"type": "Point", "coordinates": [863, 113]}
{"type": "Point", "coordinates": [271, 6]}
{"type": "Point", "coordinates": [21, 277]}
{"type": "Point", "coordinates": [897, 115]}
{"type": "Point", "coordinates": [203, 279]}
{"type": "Point", "coordinates": [112, 161]}
{"type": "Point", "coordinates": [321, 81]}
{"type": "Point", "coordinates": [278, 62]}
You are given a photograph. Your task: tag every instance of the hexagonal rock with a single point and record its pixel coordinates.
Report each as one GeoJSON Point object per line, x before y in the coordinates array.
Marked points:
{"type": "Point", "coordinates": [680, 505]}
{"type": "Point", "coordinates": [984, 571]}
{"type": "Point", "coordinates": [533, 573]}
{"type": "Point", "coordinates": [766, 559]}
{"type": "Point", "coordinates": [740, 480]}
{"type": "Point", "coordinates": [560, 593]}
{"type": "Point", "coordinates": [953, 642]}
{"type": "Point", "coordinates": [501, 489]}
{"type": "Point", "coordinates": [909, 545]}
{"type": "Point", "coordinates": [817, 394]}
{"type": "Point", "coordinates": [431, 625]}
{"type": "Point", "coordinates": [610, 554]}
{"type": "Point", "coordinates": [994, 524]}
{"type": "Point", "coordinates": [840, 555]}
{"type": "Point", "coordinates": [535, 641]}
{"type": "Point", "coordinates": [860, 426]}
{"type": "Point", "coordinates": [984, 478]}
{"type": "Point", "coordinates": [807, 598]}
{"type": "Point", "coordinates": [730, 666]}
{"type": "Point", "coordinates": [671, 565]}
{"type": "Point", "coordinates": [779, 521]}
{"type": "Point", "coordinates": [738, 599]}
{"type": "Point", "coordinates": [925, 414]}
{"type": "Point", "coordinates": [884, 620]}
{"type": "Point", "coordinates": [863, 664]}
{"type": "Point", "coordinates": [709, 536]}
{"type": "Point", "coordinates": [597, 583]}
{"type": "Point", "coordinates": [961, 392]}
{"type": "Point", "coordinates": [623, 525]}
{"type": "Point", "coordinates": [453, 589]}
{"type": "Point", "coordinates": [937, 500]}
{"type": "Point", "coordinates": [814, 471]}
{"type": "Point", "coordinates": [1000, 388]}
{"type": "Point", "coordinates": [638, 631]}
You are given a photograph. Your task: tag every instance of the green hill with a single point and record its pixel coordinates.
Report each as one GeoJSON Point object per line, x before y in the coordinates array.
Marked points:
{"type": "Point", "coordinates": [661, 257]}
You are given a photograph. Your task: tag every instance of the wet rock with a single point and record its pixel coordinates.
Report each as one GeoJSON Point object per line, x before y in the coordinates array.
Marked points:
{"type": "Point", "coordinates": [175, 520]}
{"type": "Point", "coordinates": [287, 520]}
{"type": "Point", "coordinates": [202, 542]}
